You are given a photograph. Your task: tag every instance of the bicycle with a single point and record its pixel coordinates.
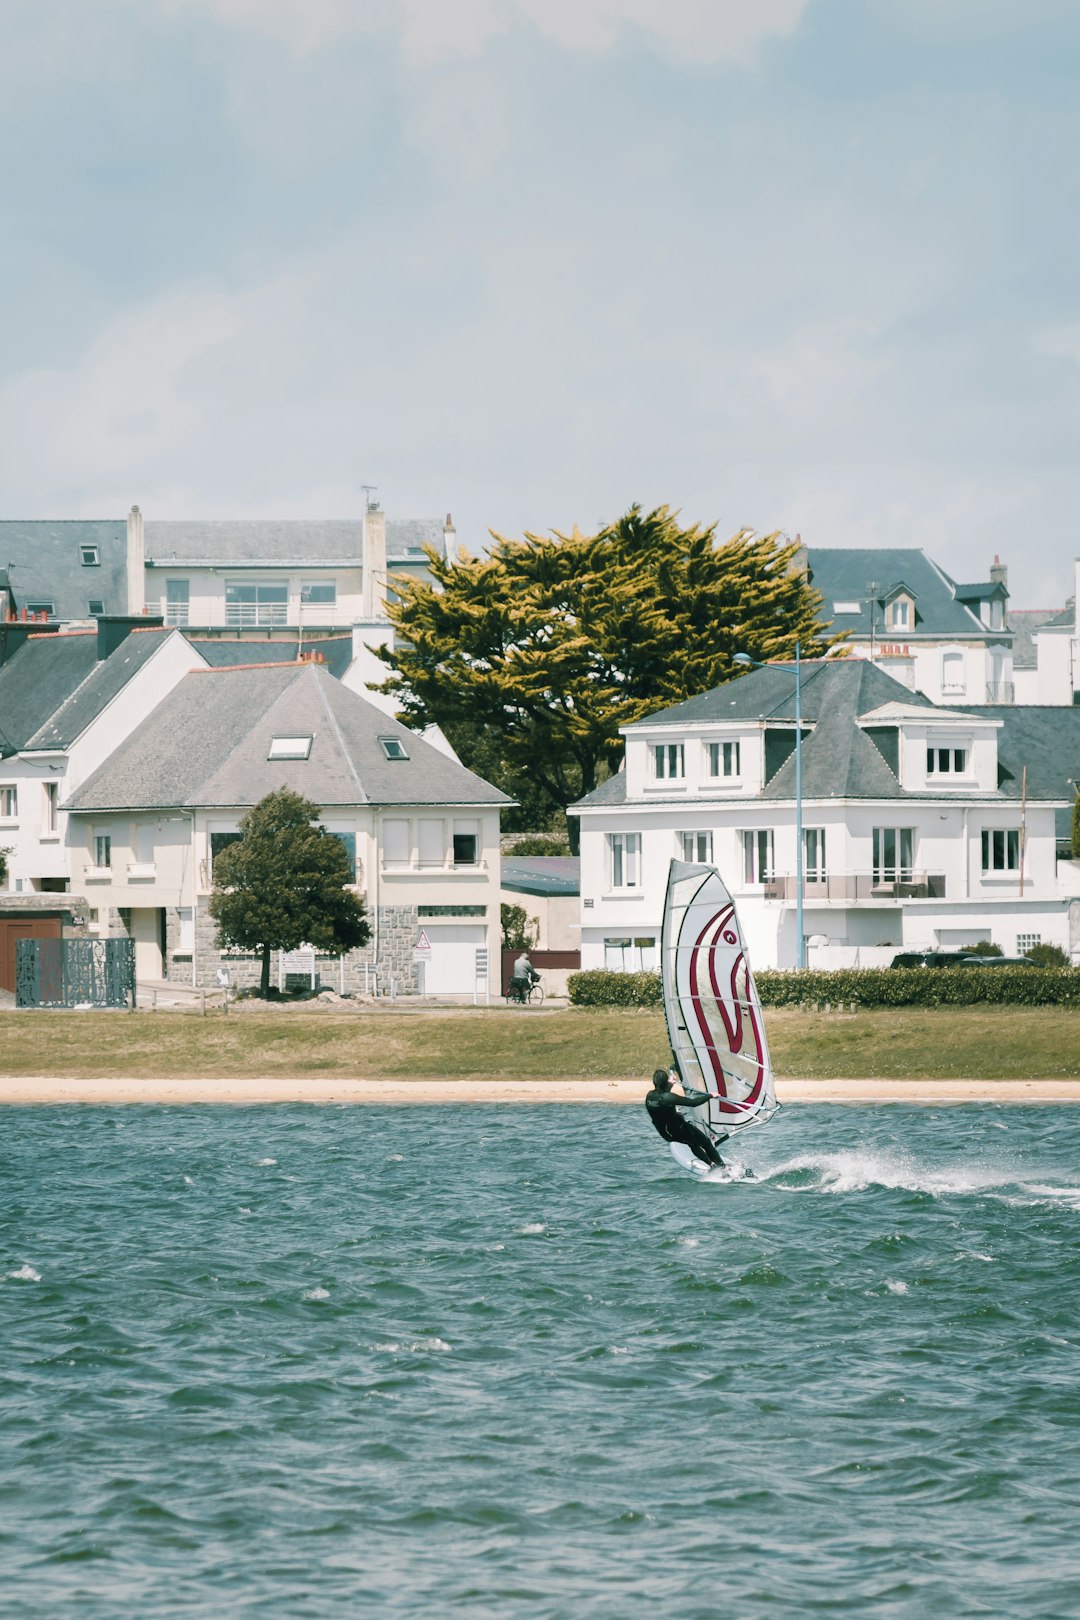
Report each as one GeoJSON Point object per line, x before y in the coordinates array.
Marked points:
{"type": "Point", "coordinates": [534, 995]}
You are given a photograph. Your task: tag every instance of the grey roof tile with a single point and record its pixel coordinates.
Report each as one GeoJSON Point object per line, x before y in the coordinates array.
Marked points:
{"type": "Point", "coordinates": [553, 875]}
{"type": "Point", "coordinates": [336, 652]}
{"type": "Point", "coordinates": [105, 680]}
{"type": "Point", "coordinates": [844, 574]}
{"type": "Point", "coordinates": [207, 744]}
{"type": "Point", "coordinates": [304, 541]}
{"type": "Point", "coordinates": [37, 680]}
{"type": "Point", "coordinates": [43, 561]}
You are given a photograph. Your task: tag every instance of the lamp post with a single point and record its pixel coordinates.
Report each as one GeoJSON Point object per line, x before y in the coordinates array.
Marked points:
{"type": "Point", "coordinates": [744, 658]}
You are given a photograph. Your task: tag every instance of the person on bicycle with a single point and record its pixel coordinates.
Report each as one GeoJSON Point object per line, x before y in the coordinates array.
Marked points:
{"type": "Point", "coordinates": [524, 977]}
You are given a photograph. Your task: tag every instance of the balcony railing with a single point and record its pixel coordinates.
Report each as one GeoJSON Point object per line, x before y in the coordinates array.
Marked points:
{"type": "Point", "coordinates": [900, 884]}
{"type": "Point", "coordinates": [251, 615]}
{"type": "Point", "coordinates": [1000, 692]}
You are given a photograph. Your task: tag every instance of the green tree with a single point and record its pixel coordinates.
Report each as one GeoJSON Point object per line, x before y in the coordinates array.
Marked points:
{"type": "Point", "coordinates": [519, 932]}
{"type": "Point", "coordinates": [1075, 843]}
{"type": "Point", "coordinates": [1047, 956]}
{"type": "Point", "coordinates": [282, 884]}
{"type": "Point", "coordinates": [550, 644]}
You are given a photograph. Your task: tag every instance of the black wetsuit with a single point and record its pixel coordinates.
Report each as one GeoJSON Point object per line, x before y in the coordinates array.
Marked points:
{"type": "Point", "coordinates": [663, 1107]}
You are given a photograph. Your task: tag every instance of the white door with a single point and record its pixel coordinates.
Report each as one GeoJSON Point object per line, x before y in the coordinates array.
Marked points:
{"type": "Point", "coordinates": [452, 968]}
{"type": "Point", "coordinates": [146, 932]}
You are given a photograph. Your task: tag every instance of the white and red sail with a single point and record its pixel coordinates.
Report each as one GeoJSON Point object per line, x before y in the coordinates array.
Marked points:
{"type": "Point", "coordinates": [712, 1009]}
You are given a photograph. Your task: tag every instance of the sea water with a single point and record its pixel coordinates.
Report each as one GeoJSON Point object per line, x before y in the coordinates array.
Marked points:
{"type": "Point", "coordinates": [494, 1362]}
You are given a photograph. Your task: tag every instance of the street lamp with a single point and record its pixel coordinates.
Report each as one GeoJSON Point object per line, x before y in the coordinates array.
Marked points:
{"type": "Point", "coordinates": [745, 659]}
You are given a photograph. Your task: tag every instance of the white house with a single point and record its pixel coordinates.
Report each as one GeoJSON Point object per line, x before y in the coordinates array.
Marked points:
{"type": "Point", "coordinates": [1047, 651]}
{"type": "Point", "coordinates": [66, 701]}
{"type": "Point", "coordinates": [421, 830]}
{"type": "Point", "coordinates": [949, 641]}
{"type": "Point", "coordinates": [922, 826]}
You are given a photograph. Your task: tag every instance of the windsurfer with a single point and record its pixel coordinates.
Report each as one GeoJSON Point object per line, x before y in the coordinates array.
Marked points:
{"type": "Point", "coordinates": [663, 1105]}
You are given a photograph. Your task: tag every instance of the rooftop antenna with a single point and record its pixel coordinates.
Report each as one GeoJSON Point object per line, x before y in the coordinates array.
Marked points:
{"type": "Point", "coordinates": [873, 587]}
{"type": "Point", "coordinates": [370, 505]}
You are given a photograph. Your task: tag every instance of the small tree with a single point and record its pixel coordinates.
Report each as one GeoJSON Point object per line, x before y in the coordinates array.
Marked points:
{"type": "Point", "coordinates": [983, 947]}
{"type": "Point", "coordinates": [519, 932]}
{"type": "Point", "coordinates": [283, 884]}
{"type": "Point", "coordinates": [1047, 956]}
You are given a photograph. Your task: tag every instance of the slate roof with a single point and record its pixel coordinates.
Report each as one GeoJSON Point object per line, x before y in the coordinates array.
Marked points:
{"type": "Point", "coordinates": [336, 651]}
{"type": "Point", "coordinates": [37, 680]}
{"type": "Point", "coordinates": [278, 542]}
{"type": "Point", "coordinates": [43, 562]}
{"type": "Point", "coordinates": [840, 760]}
{"type": "Point", "coordinates": [1024, 622]}
{"type": "Point", "coordinates": [845, 574]}
{"type": "Point", "coordinates": [206, 744]}
{"type": "Point", "coordinates": [107, 678]}
{"type": "Point", "coordinates": [550, 875]}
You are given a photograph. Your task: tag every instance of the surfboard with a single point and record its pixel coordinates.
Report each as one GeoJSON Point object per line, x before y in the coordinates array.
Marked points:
{"type": "Point", "coordinates": [706, 1172]}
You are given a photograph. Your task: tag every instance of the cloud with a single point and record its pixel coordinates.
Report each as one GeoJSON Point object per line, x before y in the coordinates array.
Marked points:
{"type": "Point", "coordinates": [441, 30]}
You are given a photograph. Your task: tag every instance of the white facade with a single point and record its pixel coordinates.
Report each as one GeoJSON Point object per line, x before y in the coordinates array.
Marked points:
{"type": "Point", "coordinates": [1055, 679]}
{"type": "Point", "coordinates": [954, 863]}
{"type": "Point", "coordinates": [36, 832]}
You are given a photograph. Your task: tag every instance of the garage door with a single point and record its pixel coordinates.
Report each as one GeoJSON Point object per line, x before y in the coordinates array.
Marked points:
{"type": "Point", "coordinates": [452, 968]}
{"type": "Point", "coordinates": [12, 929]}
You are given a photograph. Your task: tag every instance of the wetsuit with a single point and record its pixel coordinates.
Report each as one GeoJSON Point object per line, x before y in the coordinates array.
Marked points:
{"type": "Point", "coordinates": [663, 1107]}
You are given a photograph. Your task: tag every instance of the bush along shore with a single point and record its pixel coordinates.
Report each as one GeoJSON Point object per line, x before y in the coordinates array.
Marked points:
{"type": "Point", "coordinates": [859, 987]}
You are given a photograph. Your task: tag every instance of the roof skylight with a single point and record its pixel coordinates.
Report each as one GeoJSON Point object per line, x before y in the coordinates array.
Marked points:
{"type": "Point", "coordinates": [290, 748]}
{"type": "Point", "coordinates": [393, 748]}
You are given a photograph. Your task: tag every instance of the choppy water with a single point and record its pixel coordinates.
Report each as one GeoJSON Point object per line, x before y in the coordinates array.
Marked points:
{"type": "Point", "coordinates": [333, 1362]}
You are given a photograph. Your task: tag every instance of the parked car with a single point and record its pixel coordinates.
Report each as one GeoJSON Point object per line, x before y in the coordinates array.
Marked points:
{"type": "Point", "coordinates": [1001, 961]}
{"type": "Point", "coordinates": [968, 959]}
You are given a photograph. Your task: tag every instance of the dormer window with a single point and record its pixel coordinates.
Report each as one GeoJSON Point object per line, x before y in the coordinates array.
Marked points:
{"type": "Point", "coordinates": [900, 614]}
{"type": "Point", "coordinates": [668, 761]}
{"type": "Point", "coordinates": [91, 557]}
{"type": "Point", "coordinates": [393, 748]}
{"type": "Point", "coordinates": [946, 761]}
{"type": "Point", "coordinates": [290, 748]}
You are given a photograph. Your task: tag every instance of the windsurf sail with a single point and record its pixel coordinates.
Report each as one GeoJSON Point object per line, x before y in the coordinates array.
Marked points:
{"type": "Point", "coordinates": [713, 1014]}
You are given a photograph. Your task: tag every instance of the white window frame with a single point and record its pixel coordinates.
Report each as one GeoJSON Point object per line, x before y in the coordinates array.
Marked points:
{"type": "Point", "coordinates": [668, 761]}
{"type": "Point", "coordinates": [177, 602]}
{"type": "Point", "coordinates": [900, 614]}
{"type": "Point", "coordinates": [946, 761]}
{"type": "Point", "coordinates": [896, 870]}
{"type": "Point", "coordinates": [952, 664]}
{"type": "Point", "coordinates": [759, 855]}
{"type": "Point", "coordinates": [696, 847]}
{"type": "Point", "coordinates": [814, 857]}
{"type": "Point", "coordinates": [90, 556]}
{"type": "Point", "coordinates": [1025, 942]}
{"type": "Point", "coordinates": [1003, 841]}
{"type": "Point", "coordinates": [724, 761]}
{"type": "Point", "coordinates": [624, 860]}
{"type": "Point", "coordinates": [9, 801]}
{"type": "Point", "coordinates": [290, 748]}
{"type": "Point", "coordinates": [50, 806]}
{"type": "Point", "coordinates": [102, 846]}
{"type": "Point", "coordinates": [631, 954]}
{"type": "Point", "coordinates": [307, 599]}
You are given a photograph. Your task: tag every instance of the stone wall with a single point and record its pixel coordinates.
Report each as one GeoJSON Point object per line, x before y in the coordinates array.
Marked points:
{"type": "Point", "coordinates": [394, 970]}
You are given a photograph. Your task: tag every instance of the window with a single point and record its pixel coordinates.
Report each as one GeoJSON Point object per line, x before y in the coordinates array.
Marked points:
{"type": "Point", "coordinates": [9, 803]}
{"type": "Point", "coordinates": [893, 848]}
{"type": "Point", "coordinates": [758, 864]}
{"type": "Point", "coordinates": [900, 614]}
{"type": "Point", "coordinates": [218, 842]}
{"type": "Point", "coordinates": [319, 592]}
{"type": "Point", "coordinates": [102, 850]}
{"type": "Point", "coordinates": [348, 843]}
{"type": "Point", "coordinates": [256, 604]}
{"type": "Point", "coordinates": [177, 601]}
{"type": "Point", "coordinates": [696, 846]}
{"type": "Point", "coordinates": [952, 672]}
{"type": "Point", "coordinates": [431, 843]}
{"type": "Point", "coordinates": [630, 955]}
{"type": "Point", "coordinates": [95, 607]}
{"type": "Point", "coordinates": [89, 556]}
{"type": "Point", "coordinates": [814, 854]}
{"type": "Point", "coordinates": [144, 843]}
{"type": "Point", "coordinates": [50, 800]}
{"type": "Point", "coordinates": [1025, 942]}
{"type": "Point", "coordinates": [723, 759]}
{"type": "Point", "coordinates": [393, 747]}
{"type": "Point", "coordinates": [290, 748]}
{"type": "Point", "coordinates": [466, 841]}
{"type": "Point", "coordinates": [668, 761]}
{"type": "Point", "coordinates": [1001, 849]}
{"type": "Point", "coordinates": [40, 610]}
{"type": "Point", "coordinates": [624, 855]}
{"type": "Point", "coordinates": [847, 607]}
{"type": "Point", "coordinates": [395, 843]}
{"type": "Point", "coordinates": [946, 761]}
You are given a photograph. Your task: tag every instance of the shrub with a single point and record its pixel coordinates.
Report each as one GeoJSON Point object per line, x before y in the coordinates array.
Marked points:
{"type": "Point", "coordinates": [863, 987]}
{"type": "Point", "coordinates": [984, 947]}
{"type": "Point", "coordinates": [538, 844]}
{"type": "Point", "coordinates": [1047, 956]}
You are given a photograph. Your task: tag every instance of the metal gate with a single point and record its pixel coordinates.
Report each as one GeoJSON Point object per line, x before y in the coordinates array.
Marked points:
{"type": "Point", "coordinates": [74, 972]}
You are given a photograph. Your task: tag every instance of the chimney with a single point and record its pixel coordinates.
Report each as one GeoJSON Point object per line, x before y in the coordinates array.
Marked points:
{"type": "Point", "coordinates": [113, 628]}
{"type": "Point", "coordinates": [449, 535]}
{"type": "Point", "coordinates": [374, 581]}
{"type": "Point", "coordinates": [136, 563]}
{"type": "Point", "coordinates": [999, 573]}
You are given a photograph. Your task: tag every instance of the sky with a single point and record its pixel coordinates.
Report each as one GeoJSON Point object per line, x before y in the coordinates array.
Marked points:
{"type": "Point", "coordinates": [798, 265]}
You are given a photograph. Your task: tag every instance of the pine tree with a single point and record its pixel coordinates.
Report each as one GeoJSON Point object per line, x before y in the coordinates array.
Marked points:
{"type": "Point", "coordinates": [547, 645]}
{"type": "Point", "coordinates": [283, 884]}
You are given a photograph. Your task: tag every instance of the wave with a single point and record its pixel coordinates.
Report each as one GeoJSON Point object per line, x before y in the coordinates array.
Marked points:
{"type": "Point", "coordinates": [861, 1169]}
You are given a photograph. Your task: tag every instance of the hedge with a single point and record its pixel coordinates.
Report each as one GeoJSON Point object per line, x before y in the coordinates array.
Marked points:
{"type": "Point", "coordinates": [861, 987]}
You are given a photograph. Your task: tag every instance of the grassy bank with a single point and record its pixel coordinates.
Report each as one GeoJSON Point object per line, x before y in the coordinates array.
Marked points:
{"type": "Point", "coordinates": [958, 1043]}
